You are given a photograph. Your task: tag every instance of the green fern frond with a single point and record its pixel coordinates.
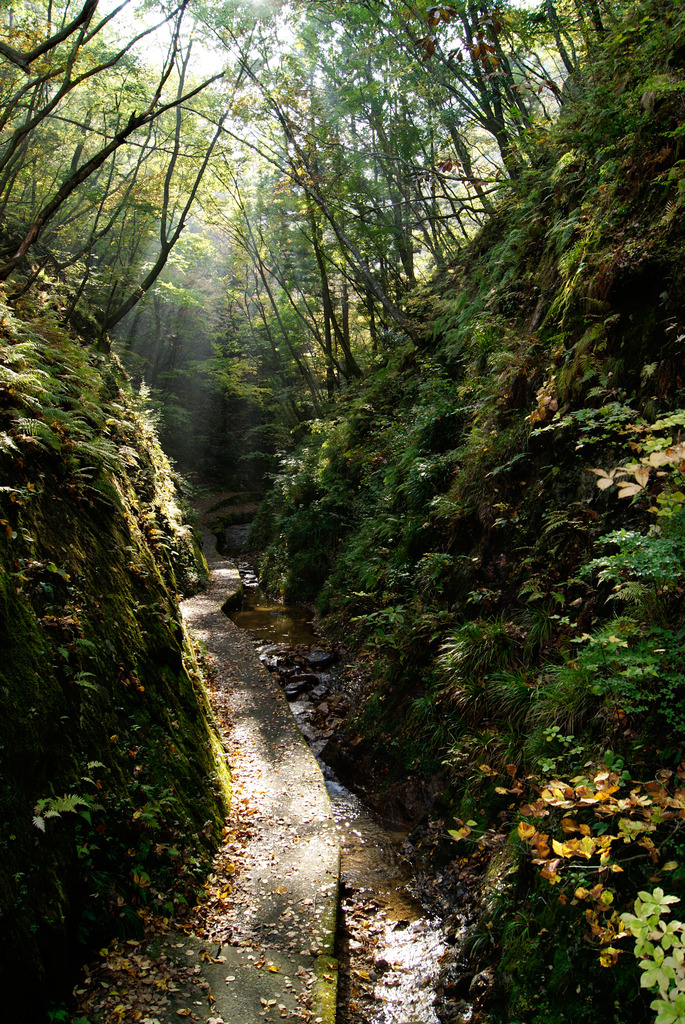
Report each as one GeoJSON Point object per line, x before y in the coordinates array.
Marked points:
{"type": "Point", "coordinates": [38, 431]}
{"type": "Point", "coordinates": [21, 352]}
{"type": "Point", "coordinates": [632, 592]}
{"type": "Point", "coordinates": [16, 379]}
{"type": "Point", "coordinates": [555, 521]}
{"type": "Point", "coordinates": [7, 444]}
{"type": "Point", "coordinates": [56, 806]}
{"type": "Point", "coordinates": [102, 451]}
{"type": "Point", "coordinates": [129, 456]}
{"type": "Point", "coordinates": [54, 414]}
{"type": "Point", "coordinates": [103, 492]}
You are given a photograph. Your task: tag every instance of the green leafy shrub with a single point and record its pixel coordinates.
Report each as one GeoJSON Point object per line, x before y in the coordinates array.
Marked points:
{"type": "Point", "coordinates": [660, 948]}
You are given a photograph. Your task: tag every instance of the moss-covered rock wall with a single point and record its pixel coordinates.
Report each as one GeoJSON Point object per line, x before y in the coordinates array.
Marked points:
{"type": "Point", "coordinates": [112, 790]}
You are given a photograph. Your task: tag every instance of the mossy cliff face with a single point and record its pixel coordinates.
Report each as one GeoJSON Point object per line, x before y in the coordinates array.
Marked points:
{"type": "Point", "coordinates": [112, 791]}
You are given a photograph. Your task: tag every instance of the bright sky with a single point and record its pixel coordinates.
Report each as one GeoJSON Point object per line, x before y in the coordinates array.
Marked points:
{"type": "Point", "coordinates": [208, 59]}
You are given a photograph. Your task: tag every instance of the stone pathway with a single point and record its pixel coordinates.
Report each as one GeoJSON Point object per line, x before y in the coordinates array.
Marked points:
{"type": "Point", "coordinates": [265, 933]}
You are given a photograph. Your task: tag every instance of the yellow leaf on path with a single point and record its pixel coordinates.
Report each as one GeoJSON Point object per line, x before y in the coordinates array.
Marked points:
{"type": "Point", "coordinates": [364, 975]}
{"type": "Point", "coordinates": [272, 967]}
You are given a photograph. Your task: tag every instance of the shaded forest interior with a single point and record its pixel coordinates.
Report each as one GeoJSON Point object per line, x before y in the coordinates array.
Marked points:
{"type": "Point", "coordinates": [410, 277]}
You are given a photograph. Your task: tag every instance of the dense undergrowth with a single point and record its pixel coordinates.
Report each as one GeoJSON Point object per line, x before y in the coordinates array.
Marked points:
{"type": "Point", "coordinates": [111, 791]}
{"type": "Point", "coordinates": [523, 627]}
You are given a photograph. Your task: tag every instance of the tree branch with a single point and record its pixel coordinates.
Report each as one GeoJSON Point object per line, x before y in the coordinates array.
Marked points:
{"type": "Point", "coordinates": [23, 60]}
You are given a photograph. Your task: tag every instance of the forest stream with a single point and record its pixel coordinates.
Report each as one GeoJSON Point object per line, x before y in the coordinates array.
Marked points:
{"type": "Point", "coordinates": [394, 955]}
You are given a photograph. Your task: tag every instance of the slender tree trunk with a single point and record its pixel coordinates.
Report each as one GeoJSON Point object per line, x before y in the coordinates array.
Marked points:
{"type": "Point", "coordinates": [556, 30]}
{"type": "Point", "coordinates": [351, 366]}
{"type": "Point", "coordinates": [302, 367]}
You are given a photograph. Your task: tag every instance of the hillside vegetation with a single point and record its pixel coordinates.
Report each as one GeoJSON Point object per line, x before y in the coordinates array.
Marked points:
{"type": "Point", "coordinates": [497, 515]}
{"type": "Point", "coordinates": [111, 790]}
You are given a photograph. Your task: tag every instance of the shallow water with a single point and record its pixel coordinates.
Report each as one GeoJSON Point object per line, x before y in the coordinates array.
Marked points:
{"type": "Point", "coordinates": [371, 853]}
{"type": "Point", "coordinates": [264, 620]}
{"type": "Point", "coordinates": [373, 867]}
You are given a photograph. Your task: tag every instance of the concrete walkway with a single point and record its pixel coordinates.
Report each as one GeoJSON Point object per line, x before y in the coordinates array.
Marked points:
{"type": "Point", "coordinates": [267, 925]}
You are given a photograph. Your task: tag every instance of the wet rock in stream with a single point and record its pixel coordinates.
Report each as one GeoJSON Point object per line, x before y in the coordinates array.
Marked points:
{"type": "Point", "coordinates": [321, 659]}
{"type": "Point", "coordinates": [294, 689]}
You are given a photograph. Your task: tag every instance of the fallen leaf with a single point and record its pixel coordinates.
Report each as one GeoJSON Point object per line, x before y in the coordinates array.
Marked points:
{"type": "Point", "coordinates": [525, 830]}
{"type": "Point", "coordinates": [569, 825]}
{"type": "Point", "coordinates": [609, 956]}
